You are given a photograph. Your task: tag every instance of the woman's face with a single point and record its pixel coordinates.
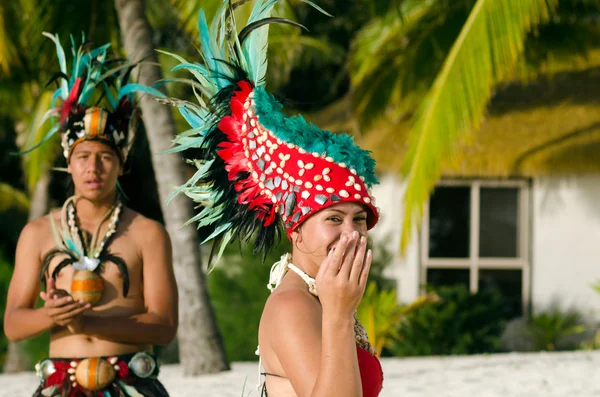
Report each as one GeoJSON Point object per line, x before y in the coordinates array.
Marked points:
{"type": "Point", "coordinates": [320, 232]}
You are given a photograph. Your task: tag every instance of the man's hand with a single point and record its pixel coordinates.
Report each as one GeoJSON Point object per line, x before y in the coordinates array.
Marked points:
{"type": "Point", "coordinates": [62, 309]}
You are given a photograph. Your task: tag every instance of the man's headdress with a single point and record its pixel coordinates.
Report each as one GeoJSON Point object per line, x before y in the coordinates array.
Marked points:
{"type": "Point", "coordinates": [94, 99]}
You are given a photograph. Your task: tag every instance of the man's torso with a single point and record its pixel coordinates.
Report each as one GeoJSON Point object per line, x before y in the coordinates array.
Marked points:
{"type": "Point", "coordinates": [124, 244]}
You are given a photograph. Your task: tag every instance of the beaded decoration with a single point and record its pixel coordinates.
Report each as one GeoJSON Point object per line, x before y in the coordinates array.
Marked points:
{"type": "Point", "coordinates": [280, 268]}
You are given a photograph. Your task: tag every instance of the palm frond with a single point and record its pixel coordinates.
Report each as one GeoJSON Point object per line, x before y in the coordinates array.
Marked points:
{"type": "Point", "coordinates": [483, 54]}
{"type": "Point", "coordinates": [8, 50]}
{"type": "Point", "coordinates": [12, 198]}
{"type": "Point", "coordinates": [36, 127]}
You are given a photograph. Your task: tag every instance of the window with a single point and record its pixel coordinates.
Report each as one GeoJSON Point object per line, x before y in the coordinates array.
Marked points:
{"type": "Point", "coordinates": [476, 233]}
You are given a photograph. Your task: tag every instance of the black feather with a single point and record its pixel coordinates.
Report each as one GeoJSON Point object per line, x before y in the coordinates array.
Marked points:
{"type": "Point", "coordinates": [65, 262]}
{"type": "Point", "coordinates": [48, 258]}
{"type": "Point", "coordinates": [55, 77]}
{"type": "Point", "coordinates": [265, 21]}
{"type": "Point", "coordinates": [122, 269]}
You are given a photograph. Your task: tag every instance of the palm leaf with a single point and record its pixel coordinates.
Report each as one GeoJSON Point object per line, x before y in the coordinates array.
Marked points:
{"type": "Point", "coordinates": [36, 128]}
{"type": "Point", "coordinates": [8, 53]}
{"type": "Point", "coordinates": [482, 55]}
{"type": "Point", "coordinates": [12, 198]}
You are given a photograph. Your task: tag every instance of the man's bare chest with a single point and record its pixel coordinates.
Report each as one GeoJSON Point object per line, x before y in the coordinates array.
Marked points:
{"type": "Point", "coordinates": [121, 265]}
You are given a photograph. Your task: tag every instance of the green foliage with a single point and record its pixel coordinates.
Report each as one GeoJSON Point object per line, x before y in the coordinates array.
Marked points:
{"type": "Point", "coordinates": [551, 329]}
{"type": "Point", "coordinates": [238, 291]}
{"type": "Point", "coordinates": [483, 54]}
{"type": "Point", "coordinates": [5, 275]}
{"type": "Point", "coordinates": [460, 323]}
{"type": "Point", "coordinates": [596, 287]}
{"type": "Point", "coordinates": [381, 314]}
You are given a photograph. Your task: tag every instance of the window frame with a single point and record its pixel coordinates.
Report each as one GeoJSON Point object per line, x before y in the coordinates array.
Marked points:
{"type": "Point", "coordinates": [474, 263]}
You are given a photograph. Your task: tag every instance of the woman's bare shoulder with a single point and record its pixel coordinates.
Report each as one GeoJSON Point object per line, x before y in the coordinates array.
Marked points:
{"type": "Point", "coordinates": [290, 307]}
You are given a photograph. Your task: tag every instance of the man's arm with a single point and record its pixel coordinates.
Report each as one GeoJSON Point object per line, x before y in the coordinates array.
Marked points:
{"type": "Point", "coordinates": [158, 324]}
{"type": "Point", "coordinates": [21, 320]}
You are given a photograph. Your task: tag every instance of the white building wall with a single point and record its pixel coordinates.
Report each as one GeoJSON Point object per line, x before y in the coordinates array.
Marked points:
{"type": "Point", "coordinates": [405, 269]}
{"type": "Point", "coordinates": [566, 243]}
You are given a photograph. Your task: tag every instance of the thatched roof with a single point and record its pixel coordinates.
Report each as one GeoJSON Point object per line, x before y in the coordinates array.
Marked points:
{"type": "Point", "coordinates": [548, 126]}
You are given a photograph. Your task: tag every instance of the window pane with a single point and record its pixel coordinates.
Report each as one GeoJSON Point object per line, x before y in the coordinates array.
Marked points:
{"type": "Point", "coordinates": [510, 285]}
{"type": "Point", "coordinates": [449, 217]}
{"type": "Point", "coordinates": [498, 222]}
{"type": "Point", "coordinates": [447, 277]}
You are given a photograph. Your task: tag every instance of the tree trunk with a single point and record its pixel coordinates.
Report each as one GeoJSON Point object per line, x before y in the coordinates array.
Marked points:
{"type": "Point", "coordinates": [17, 359]}
{"type": "Point", "coordinates": [200, 347]}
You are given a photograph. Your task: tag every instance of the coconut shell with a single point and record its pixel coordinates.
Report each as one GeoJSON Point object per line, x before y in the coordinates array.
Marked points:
{"type": "Point", "coordinates": [88, 286]}
{"type": "Point", "coordinates": [94, 373]}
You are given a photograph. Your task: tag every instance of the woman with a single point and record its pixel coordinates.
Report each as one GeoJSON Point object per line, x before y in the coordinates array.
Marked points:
{"type": "Point", "coordinates": [307, 340]}
{"type": "Point", "coordinates": [261, 172]}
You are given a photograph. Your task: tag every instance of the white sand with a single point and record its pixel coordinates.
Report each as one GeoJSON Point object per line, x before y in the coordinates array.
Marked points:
{"type": "Point", "coordinates": [568, 374]}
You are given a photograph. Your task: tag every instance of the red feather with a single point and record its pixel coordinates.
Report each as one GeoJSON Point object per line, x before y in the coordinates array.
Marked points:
{"type": "Point", "coordinates": [71, 101]}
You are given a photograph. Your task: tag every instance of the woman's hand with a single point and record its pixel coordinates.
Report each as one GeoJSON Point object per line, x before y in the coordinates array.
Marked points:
{"type": "Point", "coordinates": [60, 306]}
{"type": "Point", "coordinates": [342, 277]}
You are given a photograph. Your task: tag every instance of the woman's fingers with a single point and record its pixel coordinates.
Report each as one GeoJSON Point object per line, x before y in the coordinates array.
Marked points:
{"type": "Point", "coordinates": [338, 256]}
{"type": "Point", "coordinates": [346, 265]}
{"type": "Point", "coordinates": [364, 274]}
{"type": "Point", "coordinates": [359, 260]}
{"type": "Point", "coordinates": [325, 264]}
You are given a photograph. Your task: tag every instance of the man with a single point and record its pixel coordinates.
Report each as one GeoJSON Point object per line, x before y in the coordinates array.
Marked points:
{"type": "Point", "coordinates": [110, 289]}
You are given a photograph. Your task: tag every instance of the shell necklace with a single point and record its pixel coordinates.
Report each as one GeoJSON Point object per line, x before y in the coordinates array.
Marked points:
{"type": "Point", "coordinates": [279, 269]}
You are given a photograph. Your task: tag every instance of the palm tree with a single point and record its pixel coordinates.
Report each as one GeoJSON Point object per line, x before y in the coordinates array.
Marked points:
{"type": "Point", "coordinates": [200, 345]}
{"type": "Point", "coordinates": [434, 64]}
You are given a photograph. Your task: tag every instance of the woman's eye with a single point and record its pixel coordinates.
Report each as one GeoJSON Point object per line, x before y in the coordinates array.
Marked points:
{"type": "Point", "coordinates": [360, 219]}
{"type": "Point", "coordinates": [334, 219]}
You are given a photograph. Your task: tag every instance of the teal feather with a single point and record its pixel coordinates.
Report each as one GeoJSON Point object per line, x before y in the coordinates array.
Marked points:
{"type": "Point", "coordinates": [217, 232]}
{"type": "Point", "coordinates": [191, 116]}
{"type": "Point", "coordinates": [73, 247]}
{"type": "Point", "coordinates": [255, 47]}
{"type": "Point", "coordinates": [109, 96]}
{"type": "Point", "coordinates": [62, 61]}
{"type": "Point", "coordinates": [226, 239]}
{"type": "Point", "coordinates": [297, 131]}
{"type": "Point", "coordinates": [44, 140]}
{"type": "Point", "coordinates": [316, 7]}
{"type": "Point", "coordinates": [192, 181]}
{"type": "Point", "coordinates": [207, 48]}
{"type": "Point", "coordinates": [139, 88]}
{"type": "Point", "coordinates": [217, 31]}
{"type": "Point", "coordinates": [55, 96]}
{"type": "Point", "coordinates": [183, 144]}
{"type": "Point", "coordinates": [92, 79]}
{"type": "Point", "coordinates": [210, 88]}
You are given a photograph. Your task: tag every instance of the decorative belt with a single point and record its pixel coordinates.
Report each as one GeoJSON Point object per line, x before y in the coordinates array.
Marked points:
{"type": "Point", "coordinates": [95, 373]}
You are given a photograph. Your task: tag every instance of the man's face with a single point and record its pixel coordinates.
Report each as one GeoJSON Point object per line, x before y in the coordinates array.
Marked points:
{"type": "Point", "coordinates": [94, 167]}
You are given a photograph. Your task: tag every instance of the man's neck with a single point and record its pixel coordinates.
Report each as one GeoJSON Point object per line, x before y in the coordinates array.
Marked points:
{"type": "Point", "coordinates": [91, 212]}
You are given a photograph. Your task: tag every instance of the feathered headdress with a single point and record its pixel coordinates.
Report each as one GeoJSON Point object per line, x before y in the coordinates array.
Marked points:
{"type": "Point", "coordinates": [96, 102]}
{"type": "Point", "coordinates": [259, 168]}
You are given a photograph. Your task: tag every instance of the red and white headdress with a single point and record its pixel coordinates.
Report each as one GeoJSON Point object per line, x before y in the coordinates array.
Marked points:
{"type": "Point", "coordinates": [260, 169]}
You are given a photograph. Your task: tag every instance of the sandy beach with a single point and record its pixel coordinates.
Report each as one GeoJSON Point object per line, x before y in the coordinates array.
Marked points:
{"type": "Point", "coordinates": [564, 374]}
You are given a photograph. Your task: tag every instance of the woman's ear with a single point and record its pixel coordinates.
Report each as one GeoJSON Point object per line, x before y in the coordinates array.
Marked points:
{"type": "Point", "coordinates": [296, 236]}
